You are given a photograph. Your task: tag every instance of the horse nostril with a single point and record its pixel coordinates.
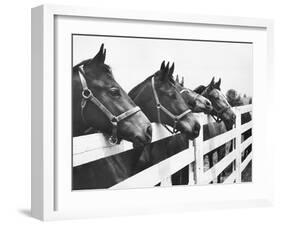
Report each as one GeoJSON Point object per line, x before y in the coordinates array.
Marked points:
{"type": "Point", "coordinates": [196, 128]}
{"type": "Point", "coordinates": [208, 104]}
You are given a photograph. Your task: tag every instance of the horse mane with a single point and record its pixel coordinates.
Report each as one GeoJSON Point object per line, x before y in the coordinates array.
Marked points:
{"type": "Point", "coordinates": [84, 62]}
{"type": "Point", "coordinates": [200, 89]}
{"type": "Point", "coordinates": [135, 91]}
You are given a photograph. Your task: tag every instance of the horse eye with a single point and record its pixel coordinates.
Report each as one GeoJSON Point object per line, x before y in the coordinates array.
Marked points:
{"type": "Point", "coordinates": [215, 97]}
{"type": "Point", "coordinates": [115, 92]}
{"type": "Point", "coordinates": [192, 104]}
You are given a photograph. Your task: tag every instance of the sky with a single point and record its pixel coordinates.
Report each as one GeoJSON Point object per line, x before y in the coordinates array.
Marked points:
{"type": "Point", "coordinates": [134, 59]}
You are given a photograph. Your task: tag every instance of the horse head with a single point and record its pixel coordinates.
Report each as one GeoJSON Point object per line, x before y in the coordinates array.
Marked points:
{"type": "Point", "coordinates": [100, 102]}
{"type": "Point", "coordinates": [160, 100]}
{"type": "Point", "coordinates": [221, 107]}
{"type": "Point", "coordinates": [195, 101]}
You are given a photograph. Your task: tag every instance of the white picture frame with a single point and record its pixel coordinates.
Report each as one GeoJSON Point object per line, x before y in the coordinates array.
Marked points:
{"type": "Point", "coordinates": [45, 156]}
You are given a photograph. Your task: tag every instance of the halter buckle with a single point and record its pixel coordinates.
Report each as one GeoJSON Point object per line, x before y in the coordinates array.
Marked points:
{"type": "Point", "coordinates": [113, 140]}
{"type": "Point", "coordinates": [86, 93]}
{"type": "Point", "coordinates": [114, 121]}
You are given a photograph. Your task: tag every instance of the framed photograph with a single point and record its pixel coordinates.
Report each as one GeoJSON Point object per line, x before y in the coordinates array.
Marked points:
{"type": "Point", "coordinates": [137, 112]}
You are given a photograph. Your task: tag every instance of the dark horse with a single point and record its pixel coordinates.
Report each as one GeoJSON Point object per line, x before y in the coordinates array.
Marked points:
{"type": "Point", "coordinates": [224, 116]}
{"type": "Point", "coordinates": [221, 110]}
{"type": "Point", "coordinates": [160, 99]}
{"type": "Point", "coordinates": [100, 103]}
{"type": "Point", "coordinates": [198, 104]}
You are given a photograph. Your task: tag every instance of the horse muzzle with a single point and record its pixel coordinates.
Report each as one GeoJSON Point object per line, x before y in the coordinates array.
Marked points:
{"type": "Point", "coordinates": [142, 138]}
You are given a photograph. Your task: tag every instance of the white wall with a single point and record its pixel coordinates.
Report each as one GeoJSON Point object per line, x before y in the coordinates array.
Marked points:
{"type": "Point", "coordinates": [15, 110]}
{"type": "Point", "coordinates": [134, 59]}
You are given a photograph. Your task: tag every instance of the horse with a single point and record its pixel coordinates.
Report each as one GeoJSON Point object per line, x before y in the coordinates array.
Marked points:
{"type": "Point", "coordinates": [167, 107]}
{"type": "Point", "coordinates": [223, 115]}
{"type": "Point", "coordinates": [177, 143]}
{"type": "Point", "coordinates": [197, 104]}
{"type": "Point", "coordinates": [100, 104]}
{"type": "Point", "coordinates": [236, 99]}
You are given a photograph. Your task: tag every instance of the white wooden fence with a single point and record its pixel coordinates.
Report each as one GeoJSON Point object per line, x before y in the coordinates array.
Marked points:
{"type": "Point", "coordinates": [92, 147]}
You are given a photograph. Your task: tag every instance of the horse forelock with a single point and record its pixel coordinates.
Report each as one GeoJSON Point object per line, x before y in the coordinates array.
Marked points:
{"type": "Point", "coordinates": [139, 88]}
{"type": "Point", "coordinates": [100, 68]}
{"type": "Point", "coordinates": [199, 89]}
{"type": "Point", "coordinates": [171, 79]}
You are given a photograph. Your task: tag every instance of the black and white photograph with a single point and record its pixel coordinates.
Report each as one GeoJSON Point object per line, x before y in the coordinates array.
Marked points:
{"type": "Point", "coordinates": [157, 112]}
{"type": "Point", "coordinates": [143, 112]}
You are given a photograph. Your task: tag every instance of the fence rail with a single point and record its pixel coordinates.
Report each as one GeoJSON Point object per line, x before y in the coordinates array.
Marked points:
{"type": "Point", "coordinates": [92, 147]}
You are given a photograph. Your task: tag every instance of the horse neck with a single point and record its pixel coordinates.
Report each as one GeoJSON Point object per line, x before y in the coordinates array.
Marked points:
{"type": "Point", "coordinates": [143, 96]}
{"type": "Point", "coordinates": [212, 129]}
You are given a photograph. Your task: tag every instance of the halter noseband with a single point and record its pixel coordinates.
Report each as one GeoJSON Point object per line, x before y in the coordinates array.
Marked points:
{"type": "Point", "coordinates": [87, 95]}
{"type": "Point", "coordinates": [219, 113]}
{"type": "Point", "coordinates": [160, 107]}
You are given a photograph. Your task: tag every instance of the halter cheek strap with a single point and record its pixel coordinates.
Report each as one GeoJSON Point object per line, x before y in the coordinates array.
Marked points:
{"type": "Point", "coordinates": [183, 90]}
{"type": "Point", "coordinates": [87, 95]}
{"type": "Point", "coordinates": [186, 90]}
{"type": "Point", "coordinates": [219, 112]}
{"type": "Point", "coordinates": [160, 108]}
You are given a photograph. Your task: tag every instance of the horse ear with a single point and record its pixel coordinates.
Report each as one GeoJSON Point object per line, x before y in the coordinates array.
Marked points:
{"type": "Point", "coordinates": [167, 67]}
{"type": "Point", "coordinates": [100, 57]}
{"type": "Point", "coordinates": [162, 65]}
{"type": "Point", "coordinates": [177, 79]}
{"type": "Point", "coordinates": [218, 84]}
{"type": "Point", "coordinates": [104, 55]}
{"type": "Point", "coordinates": [164, 71]}
{"type": "Point", "coordinates": [171, 70]}
{"type": "Point", "coordinates": [182, 81]}
{"type": "Point", "coordinates": [212, 83]}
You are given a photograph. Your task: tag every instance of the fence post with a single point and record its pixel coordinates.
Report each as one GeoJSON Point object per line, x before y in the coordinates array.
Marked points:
{"type": "Point", "coordinates": [198, 154]}
{"type": "Point", "coordinates": [167, 182]}
{"type": "Point", "coordinates": [191, 170]}
{"type": "Point", "coordinates": [238, 146]}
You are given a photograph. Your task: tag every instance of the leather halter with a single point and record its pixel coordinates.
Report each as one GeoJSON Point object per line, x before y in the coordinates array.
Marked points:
{"type": "Point", "coordinates": [218, 117]}
{"type": "Point", "coordinates": [160, 108]}
{"type": "Point", "coordinates": [87, 95]}
{"type": "Point", "coordinates": [219, 113]}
